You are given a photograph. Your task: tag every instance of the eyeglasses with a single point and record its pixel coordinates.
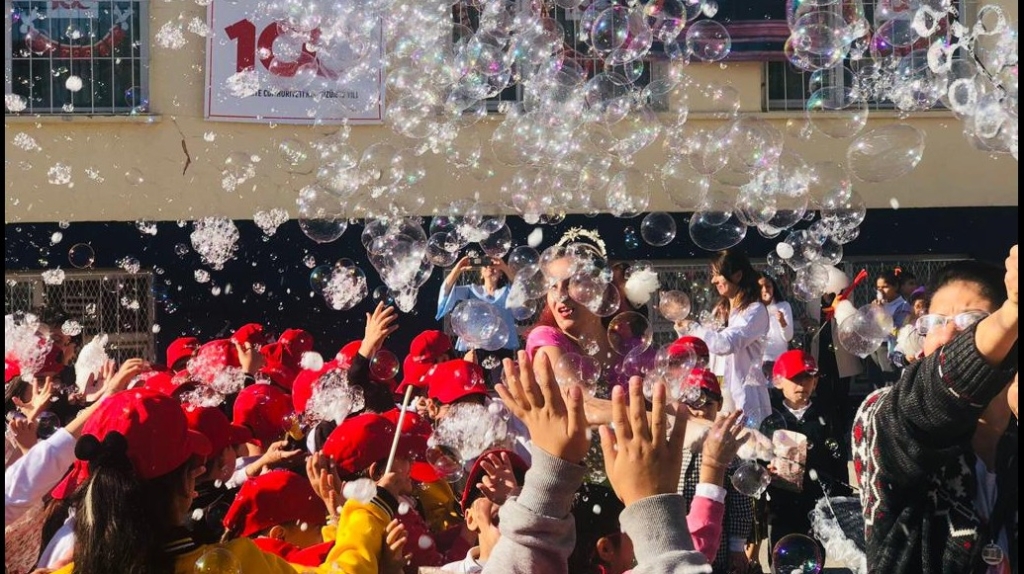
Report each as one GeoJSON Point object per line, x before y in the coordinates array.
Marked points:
{"type": "Point", "coordinates": [961, 321]}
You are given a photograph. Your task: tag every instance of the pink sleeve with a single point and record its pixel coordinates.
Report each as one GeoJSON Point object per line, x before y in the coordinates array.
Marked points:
{"type": "Point", "coordinates": [544, 336]}
{"type": "Point", "coordinates": [705, 523]}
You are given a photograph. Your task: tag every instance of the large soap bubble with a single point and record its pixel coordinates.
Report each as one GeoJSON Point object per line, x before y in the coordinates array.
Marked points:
{"type": "Point", "coordinates": [865, 331]}
{"type": "Point", "coordinates": [885, 153]}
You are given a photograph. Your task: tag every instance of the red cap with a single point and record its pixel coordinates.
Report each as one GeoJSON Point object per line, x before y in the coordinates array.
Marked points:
{"type": "Point", "coordinates": [278, 365]}
{"type": "Point", "coordinates": [173, 386]}
{"type": "Point", "coordinates": [297, 342]}
{"type": "Point", "coordinates": [250, 333]}
{"type": "Point", "coordinates": [705, 380]}
{"type": "Point", "coordinates": [155, 429]}
{"type": "Point", "coordinates": [424, 352]}
{"type": "Point", "coordinates": [216, 427]}
{"type": "Point", "coordinates": [794, 363]}
{"type": "Point", "coordinates": [305, 381]}
{"type": "Point", "coordinates": [476, 475]}
{"type": "Point", "coordinates": [275, 498]}
{"type": "Point", "coordinates": [414, 424]}
{"type": "Point", "coordinates": [362, 440]}
{"type": "Point", "coordinates": [347, 353]}
{"type": "Point", "coordinates": [452, 380]}
{"type": "Point", "coordinates": [212, 358]}
{"type": "Point", "coordinates": [691, 344]}
{"type": "Point", "coordinates": [264, 410]}
{"type": "Point", "coordinates": [181, 348]}
{"type": "Point", "coordinates": [11, 369]}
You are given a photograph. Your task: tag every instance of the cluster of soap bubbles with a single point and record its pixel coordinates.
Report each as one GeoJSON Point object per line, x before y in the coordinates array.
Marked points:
{"type": "Point", "coordinates": [25, 343]}
{"type": "Point", "coordinates": [333, 398]}
{"type": "Point", "coordinates": [464, 433]}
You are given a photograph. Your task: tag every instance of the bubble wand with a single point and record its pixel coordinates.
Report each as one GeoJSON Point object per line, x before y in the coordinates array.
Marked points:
{"type": "Point", "coordinates": [398, 428]}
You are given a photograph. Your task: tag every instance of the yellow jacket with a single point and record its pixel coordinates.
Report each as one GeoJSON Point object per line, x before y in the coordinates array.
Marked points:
{"type": "Point", "coordinates": [439, 506]}
{"type": "Point", "coordinates": [357, 547]}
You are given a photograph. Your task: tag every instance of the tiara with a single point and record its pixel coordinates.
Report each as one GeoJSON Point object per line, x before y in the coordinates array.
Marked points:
{"type": "Point", "coordinates": [575, 234]}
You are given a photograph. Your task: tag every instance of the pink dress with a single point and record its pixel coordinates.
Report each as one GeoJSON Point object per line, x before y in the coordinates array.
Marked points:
{"type": "Point", "coordinates": [545, 336]}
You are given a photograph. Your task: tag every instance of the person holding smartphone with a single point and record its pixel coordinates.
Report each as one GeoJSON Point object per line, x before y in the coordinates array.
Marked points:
{"type": "Point", "coordinates": [490, 285]}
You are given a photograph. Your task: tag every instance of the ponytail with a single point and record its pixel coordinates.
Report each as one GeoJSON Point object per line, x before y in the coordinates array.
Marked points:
{"type": "Point", "coordinates": [123, 522]}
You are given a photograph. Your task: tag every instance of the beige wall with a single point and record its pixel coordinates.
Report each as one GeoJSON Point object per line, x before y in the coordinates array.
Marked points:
{"type": "Point", "coordinates": [952, 173]}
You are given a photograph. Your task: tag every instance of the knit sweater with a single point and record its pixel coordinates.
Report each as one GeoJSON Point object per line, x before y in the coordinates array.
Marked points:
{"type": "Point", "coordinates": [915, 465]}
{"type": "Point", "coordinates": [538, 531]}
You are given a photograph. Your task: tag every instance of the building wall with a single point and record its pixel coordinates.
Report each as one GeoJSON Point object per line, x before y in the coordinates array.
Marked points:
{"type": "Point", "coordinates": [951, 174]}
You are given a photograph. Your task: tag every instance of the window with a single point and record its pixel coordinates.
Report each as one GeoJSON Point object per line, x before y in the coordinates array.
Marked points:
{"type": "Point", "coordinates": [77, 56]}
{"type": "Point", "coordinates": [577, 47]}
{"type": "Point", "coordinates": [787, 88]}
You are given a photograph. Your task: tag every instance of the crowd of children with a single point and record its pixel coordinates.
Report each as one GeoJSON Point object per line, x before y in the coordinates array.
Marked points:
{"type": "Point", "coordinates": [161, 468]}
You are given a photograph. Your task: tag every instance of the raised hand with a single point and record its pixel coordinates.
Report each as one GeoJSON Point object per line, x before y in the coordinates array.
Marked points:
{"type": "Point", "coordinates": [23, 431]}
{"type": "Point", "coordinates": [1011, 276]}
{"type": "Point", "coordinates": [499, 481]}
{"type": "Point", "coordinates": [249, 357]}
{"type": "Point", "coordinates": [379, 325]}
{"type": "Point", "coordinates": [322, 472]}
{"type": "Point", "coordinates": [393, 558]}
{"type": "Point", "coordinates": [720, 447]}
{"type": "Point", "coordinates": [533, 396]}
{"type": "Point", "coordinates": [639, 458]}
{"type": "Point", "coordinates": [40, 400]}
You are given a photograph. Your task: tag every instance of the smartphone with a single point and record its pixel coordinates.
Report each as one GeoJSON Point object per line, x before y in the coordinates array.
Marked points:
{"type": "Point", "coordinates": [479, 262]}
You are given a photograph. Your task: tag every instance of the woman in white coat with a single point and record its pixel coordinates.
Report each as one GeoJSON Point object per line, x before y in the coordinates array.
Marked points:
{"type": "Point", "coordinates": [780, 322]}
{"type": "Point", "coordinates": [737, 346]}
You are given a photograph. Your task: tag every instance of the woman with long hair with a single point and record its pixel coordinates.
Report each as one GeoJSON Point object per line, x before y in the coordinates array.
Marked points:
{"type": "Point", "coordinates": [737, 348]}
{"type": "Point", "coordinates": [567, 326]}
{"type": "Point", "coordinates": [780, 321]}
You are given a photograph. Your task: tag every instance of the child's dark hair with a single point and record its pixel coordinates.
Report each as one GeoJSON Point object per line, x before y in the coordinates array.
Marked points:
{"type": "Point", "coordinates": [778, 296]}
{"type": "Point", "coordinates": [988, 278]}
{"type": "Point", "coordinates": [596, 509]}
{"type": "Point", "coordinates": [122, 521]}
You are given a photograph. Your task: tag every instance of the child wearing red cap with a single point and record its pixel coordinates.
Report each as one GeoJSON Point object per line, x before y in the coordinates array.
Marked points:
{"type": "Point", "coordinates": [143, 461]}
{"type": "Point", "coordinates": [359, 447]}
{"type": "Point", "coordinates": [795, 376]}
{"type": "Point", "coordinates": [212, 499]}
{"type": "Point", "coordinates": [266, 411]}
{"type": "Point", "coordinates": [495, 476]}
{"type": "Point", "coordinates": [283, 515]}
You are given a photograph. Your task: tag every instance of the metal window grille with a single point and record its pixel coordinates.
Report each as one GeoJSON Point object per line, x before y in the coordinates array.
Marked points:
{"type": "Point", "coordinates": [787, 88]}
{"type": "Point", "coordinates": [102, 301]}
{"type": "Point", "coordinates": [101, 42]}
{"type": "Point", "coordinates": [577, 47]}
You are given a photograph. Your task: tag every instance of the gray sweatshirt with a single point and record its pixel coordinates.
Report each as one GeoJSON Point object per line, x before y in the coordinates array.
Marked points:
{"type": "Point", "coordinates": [538, 531]}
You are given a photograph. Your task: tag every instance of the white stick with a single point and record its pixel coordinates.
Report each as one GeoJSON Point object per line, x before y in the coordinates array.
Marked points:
{"type": "Point", "coordinates": [398, 428]}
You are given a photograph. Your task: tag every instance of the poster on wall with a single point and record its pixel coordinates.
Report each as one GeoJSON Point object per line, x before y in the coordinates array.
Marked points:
{"type": "Point", "coordinates": [262, 70]}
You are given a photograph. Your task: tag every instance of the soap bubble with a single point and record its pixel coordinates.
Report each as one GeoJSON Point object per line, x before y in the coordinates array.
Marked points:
{"type": "Point", "coordinates": [320, 215]}
{"type": "Point", "coordinates": [575, 369]}
{"type": "Point", "coordinates": [810, 282]}
{"type": "Point", "coordinates": [865, 331]}
{"type": "Point", "coordinates": [885, 153]}
{"type": "Point", "coordinates": [674, 305]}
{"type": "Point", "coordinates": [628, 331]}
{"type": "Point", "coordinates": [714, 229]}
{"type": "Point", "coordinates": [384, 365]}
{"type": "Point", "coordinates": [708, 40]}
{"type": "Point", "coordinates": [81, 256]}
{"type": "Point", "coordinates": [522, 256]}
{"type": "Point", "coordinates": [797, 554]}
{"type": "Point", "coordinates": [751, 479]}
{"type": "Point", "coordinates": [447, 462]}
{"type": "Point", "coordinates": [658, 228]}
{"type": "Point", "coordinates": [476, 322]}
{"type": "Point", "coordinates": [218, 560]}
